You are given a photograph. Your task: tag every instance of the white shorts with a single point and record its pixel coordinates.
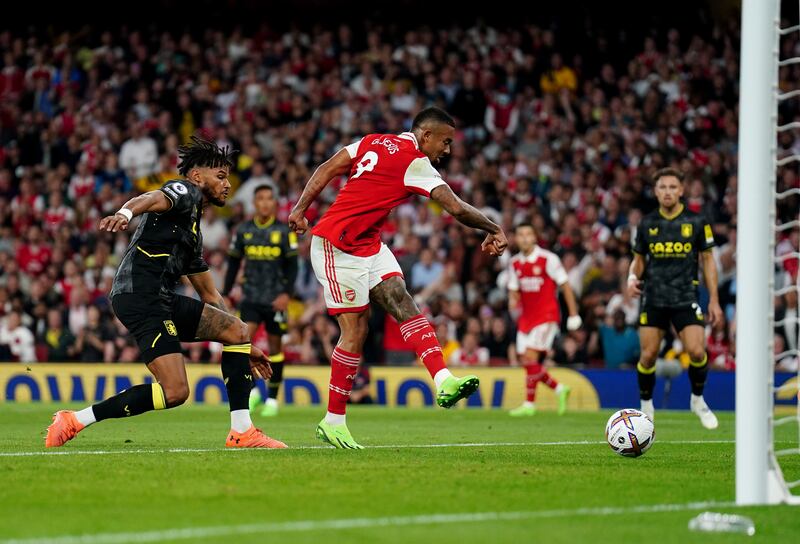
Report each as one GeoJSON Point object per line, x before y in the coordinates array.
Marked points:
{"type": "Point", "coordinates": [347, 279]}
{"type": "Point", "coordinates": [539, 338]}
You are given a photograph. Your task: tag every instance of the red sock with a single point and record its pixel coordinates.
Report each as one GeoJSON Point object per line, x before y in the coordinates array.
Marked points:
{"type": "Point", "coordinates": [419, 333]}
{"type": "Point", "coordinates": [344, 366]}
{"type": "Point", "coordinates": [533, 376]}
{"type": "Point", "coordinates": [549, 381]}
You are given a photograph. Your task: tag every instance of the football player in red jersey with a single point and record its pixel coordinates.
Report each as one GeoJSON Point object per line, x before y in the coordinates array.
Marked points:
{"type": "Point", "coordinates": [534, 277]}
{"type": "Point", "coordinates": [355, 267]}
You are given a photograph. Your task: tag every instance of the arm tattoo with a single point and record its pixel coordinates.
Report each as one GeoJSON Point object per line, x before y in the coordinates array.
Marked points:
{"type": "Point", "coordinates": [392, 296]}
{"type": "Point", "coordinates": [472, 217]}
{"type": "Point", "coordinates": [220, 305]}
{"type": "Point", "coordinates": [213, 322]}
{"type": "Point", "coordinates": [338, 164]}
{"type": "Point", "coordinates": [465, 214]}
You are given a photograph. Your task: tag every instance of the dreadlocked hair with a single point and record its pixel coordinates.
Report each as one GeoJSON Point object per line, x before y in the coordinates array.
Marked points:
{"type": "Point", "coordinates": [203, 153]}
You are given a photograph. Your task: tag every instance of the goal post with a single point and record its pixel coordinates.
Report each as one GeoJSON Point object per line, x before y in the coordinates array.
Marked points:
{"type": "Point", "coordinates": [758, 475]}
{"type": "Point", "coordinates": [757, 108]}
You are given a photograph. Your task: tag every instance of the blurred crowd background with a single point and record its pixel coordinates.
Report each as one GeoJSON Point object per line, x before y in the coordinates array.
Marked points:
{"type": "Point", "coordinates": [559, 123]}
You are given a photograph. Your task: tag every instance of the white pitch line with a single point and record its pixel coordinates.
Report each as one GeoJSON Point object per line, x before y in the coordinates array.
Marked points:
{"type": "Point", "coordinates": [190, 533]}
{"type": "Point", "coordinates": [381, 446]}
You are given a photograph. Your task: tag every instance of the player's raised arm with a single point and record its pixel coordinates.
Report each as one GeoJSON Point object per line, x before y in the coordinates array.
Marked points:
{"type": "Point", "coordinates": [335, 166]}
{"type": "Point", "coordinates": [495, 242]}
{"type": "Point", "coordinates": [152, 201]}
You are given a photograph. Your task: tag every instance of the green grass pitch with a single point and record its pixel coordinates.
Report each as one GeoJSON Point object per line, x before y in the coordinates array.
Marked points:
{"type": "Point", "coordinates": [544, 479]}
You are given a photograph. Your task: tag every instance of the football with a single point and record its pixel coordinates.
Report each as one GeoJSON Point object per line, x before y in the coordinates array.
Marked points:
{"type": "Point", "coordinates": [630, 432]}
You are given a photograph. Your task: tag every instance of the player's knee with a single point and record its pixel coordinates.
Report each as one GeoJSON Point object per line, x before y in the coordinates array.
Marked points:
{"type": "Point", "coordinates": [176, 394]}
{"type": "Point", "coordinates": [696, 353]}
{"type": "Point", "coordinates": [648, 358]}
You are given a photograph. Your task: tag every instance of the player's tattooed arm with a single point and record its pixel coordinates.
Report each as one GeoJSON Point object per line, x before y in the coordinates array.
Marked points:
{"type": "Point", "coordinates": [335, 166]}
{"type": "Point", "coordinates": [218, 326]}
{"type": "Point", "coordinates": [466, 214]}
{"type": "Point", "coordinates": [152, 201]}
{"type": "Point", "coordinates": [203, 283]}
{"type": "Point", "coordinates": [392, 296]}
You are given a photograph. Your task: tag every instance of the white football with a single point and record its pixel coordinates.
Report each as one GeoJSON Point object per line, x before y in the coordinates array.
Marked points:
{"type": "Point", "coordinates": [630, 433]}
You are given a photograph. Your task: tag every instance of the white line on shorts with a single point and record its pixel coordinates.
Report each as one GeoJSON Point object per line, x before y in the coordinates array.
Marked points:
{"type": "Point", "coordinates": [192, 533]}
{"type": "Point", "coordinates": [381, 446]}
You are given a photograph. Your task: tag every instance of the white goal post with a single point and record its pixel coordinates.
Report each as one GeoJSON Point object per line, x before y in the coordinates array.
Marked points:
{"type": "Point", "coordinates": [759, 479]}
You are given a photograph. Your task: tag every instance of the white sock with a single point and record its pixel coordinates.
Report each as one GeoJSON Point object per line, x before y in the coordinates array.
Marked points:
{"type": "Point", "coordinates": [648, 404]}
{"type": "Point", "coordinates": [271, 402]}
{"type": "Point", "coordinates": [441, 376]}
{"type": "Point", "coordinates": [695, 399]}
{"type": "Point", "coordinates": [86, 416]}
{"type": "Point", "coordinates": [240, 420]}
{"type": "Point", "coordinates": [528, 404]}
{"type": "Point", "coordinates": [559, 388]}
{"type": "Point", "coordinates": [334, 419]}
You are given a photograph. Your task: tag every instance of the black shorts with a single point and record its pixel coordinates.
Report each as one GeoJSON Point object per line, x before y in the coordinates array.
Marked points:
{"type": "Point", "coordinates": [680, 316]}
{"type": "Point", "coordinates": [158, 330]}
{"type": "Point", "coordinates": [274, 322]}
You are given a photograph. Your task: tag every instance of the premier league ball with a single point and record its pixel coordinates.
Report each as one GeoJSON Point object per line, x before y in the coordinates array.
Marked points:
{"type": "Point", "coordinates": [630, 433]}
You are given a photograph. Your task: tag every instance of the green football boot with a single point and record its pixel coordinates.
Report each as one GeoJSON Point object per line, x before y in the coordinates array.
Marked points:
{"type": "Point", "coordinates": [270, 408]}
{"type": "Point", "coordinates": [523, 411]}
{"type": "Point", "coordinates": [255, 398]}
{"type": "Point", "coordinates": [337, 436]}
{"type": "Point", "coordinates": [562, 398]}
{"type": "Point", "coordinates": [454, 389]}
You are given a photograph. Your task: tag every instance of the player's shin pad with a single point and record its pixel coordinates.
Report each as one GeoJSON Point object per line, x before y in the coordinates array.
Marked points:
{"type": "Point", "coordinates": [237, 375]}
{"type": "Point", "coordinates": [131, 402]}
{"type": "Point", "coordinates": [698, 372]}
{"type": "Point", "coordinates": [647, 381]}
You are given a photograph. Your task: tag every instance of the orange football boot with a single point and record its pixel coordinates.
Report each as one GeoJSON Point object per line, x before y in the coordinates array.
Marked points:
{"type": "Point", "coordinates": [252, 438]}
{"type": "Point", "coordinates": [63, 428]}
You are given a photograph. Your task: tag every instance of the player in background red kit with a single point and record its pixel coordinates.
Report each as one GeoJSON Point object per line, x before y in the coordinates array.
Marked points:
{"type": "Point", "coordinates": [355, 267]}
{"type": "Point", "coordinates": [534, 277]}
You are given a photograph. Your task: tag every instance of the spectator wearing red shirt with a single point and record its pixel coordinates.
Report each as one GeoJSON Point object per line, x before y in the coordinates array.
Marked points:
{"type": "Point", "coordinates": [12, 78]}
{"type": "Point", "coordinates": [28, 196]}
{"type": "Point", "coordinates": [57, 213]}
{"type": "Point", "coordinates": [34, 256]}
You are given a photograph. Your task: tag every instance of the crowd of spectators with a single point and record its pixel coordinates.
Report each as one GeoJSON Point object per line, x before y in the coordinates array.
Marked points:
{"type": "Point", "coordinates": [566, 140]}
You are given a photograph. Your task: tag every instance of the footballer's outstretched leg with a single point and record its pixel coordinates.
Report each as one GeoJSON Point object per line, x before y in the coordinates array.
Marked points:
{"type": "Point", "coordinates": [392, 296]}
{"type": "Point", "coordinates": [170, 390]}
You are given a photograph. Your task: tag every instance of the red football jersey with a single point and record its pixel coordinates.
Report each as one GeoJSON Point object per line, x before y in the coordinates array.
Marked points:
{"type": "Point", "coordinates": [537, 277]}
{"type": "Point", "coordinates": [385, 170]}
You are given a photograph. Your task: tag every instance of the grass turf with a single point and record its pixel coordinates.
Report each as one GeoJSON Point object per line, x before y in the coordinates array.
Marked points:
{"type": "Point", "coordinates": [145, 488]}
